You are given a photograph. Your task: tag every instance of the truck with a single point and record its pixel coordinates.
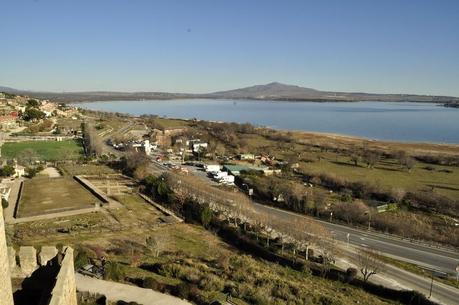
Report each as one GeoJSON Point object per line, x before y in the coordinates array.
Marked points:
{"type": "Point", "coordinates": [212, 168]}
{"type": "Point", "coordinates": [228, 179]}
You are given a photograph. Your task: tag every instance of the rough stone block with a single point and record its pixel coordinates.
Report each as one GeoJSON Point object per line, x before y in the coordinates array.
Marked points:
{"type": "Point", "coordinates": [46, 254]}
{"type": "Point", "coordinates": [12, 257]}
{"type": "Point", "coordinates": [28, 260]}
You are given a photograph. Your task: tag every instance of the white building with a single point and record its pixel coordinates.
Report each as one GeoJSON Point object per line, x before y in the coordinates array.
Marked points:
{"type": "Point", "coordinates": [5, 191]}
{"type": "Point", "coordinates": [197, 147]}
{"type": "Point", "coordinates": [147, 147]}
{"type": "Point", "coordinates": [19, 171]}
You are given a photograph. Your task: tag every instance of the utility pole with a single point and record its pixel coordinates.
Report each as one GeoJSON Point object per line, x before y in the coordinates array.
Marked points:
{"type": "Point", "coordinates": [369, 219]}
{"type": "Point", "coordinates": [431, 285]}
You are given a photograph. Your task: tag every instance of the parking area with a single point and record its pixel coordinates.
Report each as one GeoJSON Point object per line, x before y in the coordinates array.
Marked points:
{"type": "Point", "coordinates": [200, 173]}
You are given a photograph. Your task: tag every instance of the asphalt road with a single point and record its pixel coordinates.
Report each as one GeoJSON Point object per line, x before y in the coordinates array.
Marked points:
{"type": "Point", "coordinates": [443, 260]}
{"type": "Point", "coordinates": [440, 292]}
{"type": "Point", "coordinates": [397, 278]}
{"type": "Point", "coordinates": [436, 258]}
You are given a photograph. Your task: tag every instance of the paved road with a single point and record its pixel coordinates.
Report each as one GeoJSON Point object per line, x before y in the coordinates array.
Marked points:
{"type": "Point", "coordinates": [441, 293]}
{"type": "Point", "coordinates": [123, 292]}
{"type": "Point", "coordinates": [110, 149]}
{"type": "Point", "coordinates": [12, 199]}
{"type": "Point", "coordinates": [397, 278]}
{"type": "Point", "coordinates": [440, 259]}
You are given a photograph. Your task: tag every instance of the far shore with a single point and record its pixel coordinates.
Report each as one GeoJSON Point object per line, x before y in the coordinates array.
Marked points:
{"type": "Point", "coordinates": [347, 140]}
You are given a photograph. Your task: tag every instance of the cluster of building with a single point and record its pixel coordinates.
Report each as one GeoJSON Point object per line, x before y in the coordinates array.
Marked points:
{"type": "Point", "coordinates": [175, 145]}
{"type": "Point", "coordinates": [223, 177]}
{"type": "Point", "coordinates": [225, 174]}
{"type": "Point", "coordinates": [9, 112]}
{"type": "Point", "coordinates": [139, 145]}
{"type": "Point", "coordinates": [9, 121]}
{"type": "Point", "coordinates": [12, 107]}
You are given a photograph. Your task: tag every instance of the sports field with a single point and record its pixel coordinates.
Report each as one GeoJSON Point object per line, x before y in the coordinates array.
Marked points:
{"type": "Point", "coordinates": [43, 150]}
{"type": "Point", "coordinates": [53, 195]}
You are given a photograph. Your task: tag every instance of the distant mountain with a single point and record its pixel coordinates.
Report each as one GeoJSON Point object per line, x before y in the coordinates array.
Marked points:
{"type": "Point", "coordinates": [7, 89]}
{"type": "Point", "coordinates": [278, 91]}
{"type": "Point", "coordinates": [271, 91]}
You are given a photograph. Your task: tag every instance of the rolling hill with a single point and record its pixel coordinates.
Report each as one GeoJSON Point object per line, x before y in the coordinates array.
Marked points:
{"type": "Point", "coordinates": [271, 91]}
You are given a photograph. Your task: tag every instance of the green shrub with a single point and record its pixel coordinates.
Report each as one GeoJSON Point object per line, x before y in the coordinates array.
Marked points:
{"type": "Point", "coordinates": [182, 290]}
{"type": "Point", "coordinates": [7, 171]}
{"type": "Point", "coordinates": [81, 258]}
{"type": "Point", "coordinates": [210, 282]}
{"type": "Point", "coordinates": [4, 203]}
{"type": "Point", "coordinates": [206, 216]}
{"type": "Point", "coordinates": [151, 283]}
{"type": "Point", "coordinates": [112, 271]}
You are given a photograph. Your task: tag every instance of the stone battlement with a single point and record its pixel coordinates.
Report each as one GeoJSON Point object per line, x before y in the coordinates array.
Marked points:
{"type": "Point", "coordinates": [25, 261]}
{"type": "Point", "coordinates": [53, 271]}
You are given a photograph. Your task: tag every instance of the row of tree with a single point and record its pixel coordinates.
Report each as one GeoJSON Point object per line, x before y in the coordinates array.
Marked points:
{"type": "Point", "coordinates": [183, 192]}
{"type": "Point", "coordinates": [92, 142]}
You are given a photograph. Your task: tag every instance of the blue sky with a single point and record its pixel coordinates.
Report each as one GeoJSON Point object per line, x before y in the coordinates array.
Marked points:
{"type": "Point", "coordinates": [387, 46]}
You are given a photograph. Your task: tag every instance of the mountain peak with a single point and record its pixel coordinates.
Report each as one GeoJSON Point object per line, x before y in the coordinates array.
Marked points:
{"type": "Point", "coordinates": [270, 90]}
{"type": "Point", "coordinates": [275, 84]}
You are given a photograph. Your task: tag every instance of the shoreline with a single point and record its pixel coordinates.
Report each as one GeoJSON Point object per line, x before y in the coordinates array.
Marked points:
{"type": "Point", "coordinates": [350, 138]}
{"type": "Point", "coordinates": [251, 99]}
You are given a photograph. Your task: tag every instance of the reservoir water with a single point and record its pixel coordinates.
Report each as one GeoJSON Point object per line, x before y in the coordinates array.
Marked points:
{"type": "Point", "coordinates": [414, 122]}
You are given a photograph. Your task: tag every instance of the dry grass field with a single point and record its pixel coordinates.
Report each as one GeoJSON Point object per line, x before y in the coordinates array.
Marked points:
{"type": "Point", "coordinates": [52, 195]}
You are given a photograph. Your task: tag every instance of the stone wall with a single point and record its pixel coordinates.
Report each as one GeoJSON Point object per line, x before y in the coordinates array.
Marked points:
{"type": "Point", "coordinates": [64, 291]}
{"type": "Point", "coordinates": [6, 292]}
{"type": "Point", "coordinates": [27, 261]}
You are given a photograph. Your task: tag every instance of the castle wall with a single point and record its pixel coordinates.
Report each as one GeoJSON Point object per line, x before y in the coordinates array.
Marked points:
{"type": "Point", "coordinates": [64, 291]}
{"type": "Point", "coordinates": [6, 291]}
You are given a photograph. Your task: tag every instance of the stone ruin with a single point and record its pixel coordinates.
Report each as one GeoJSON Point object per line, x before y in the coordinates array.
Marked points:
{"type": "Point", "coordinates": [44, 277]}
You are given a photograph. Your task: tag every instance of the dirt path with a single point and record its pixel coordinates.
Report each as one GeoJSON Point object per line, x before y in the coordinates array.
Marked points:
{"type": "Point", "coordinates": [122, 292]}
{"type": "Point", "coordinates": [12, 200]}
{"type": "Point", "coordinates": [51, 172]}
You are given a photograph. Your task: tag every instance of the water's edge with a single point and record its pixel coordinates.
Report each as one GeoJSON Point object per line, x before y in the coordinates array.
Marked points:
{"type": "Point", "coordinates": [384, 121]}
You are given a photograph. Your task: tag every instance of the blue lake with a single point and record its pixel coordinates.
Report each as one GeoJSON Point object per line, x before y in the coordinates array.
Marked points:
{"type": "Point", "coordinates": [414, 122]}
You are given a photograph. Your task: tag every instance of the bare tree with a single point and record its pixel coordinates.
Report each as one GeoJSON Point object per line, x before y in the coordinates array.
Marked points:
{"type": "Point", "coordinates": [136, 161]}
{"type": "Point", "coordinates": [27, 156]}
{"type": "Point", "coordinates": [327, 248]}
{"type": "Point", "coordinates": [369, 263]}
{"type": "Point", "coordinates": [157, 244]}
{"type": "Point", "coordinates": [398, 194]}
{"type": "Point", "coordinates": [92, 141]}
{"type": "Point", "coordinates": [350, 211]}
{"type": "Point", "coordinates": [371, 158]}
{"type": "Point", "coordinates": [409, 163]}
{"type": "Point", "coordinates": [355, 157]}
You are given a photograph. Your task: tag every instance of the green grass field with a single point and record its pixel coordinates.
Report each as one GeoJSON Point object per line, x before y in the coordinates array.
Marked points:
{"type": "Point", "coordinates": [85, 169]}
{"type": "Point", "coordinates": [52, 195]}
{"type": "Point", "coordinates": [44, 150]}
{"type": "Point", "coordinates": [389, 174]}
